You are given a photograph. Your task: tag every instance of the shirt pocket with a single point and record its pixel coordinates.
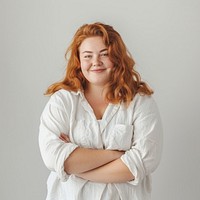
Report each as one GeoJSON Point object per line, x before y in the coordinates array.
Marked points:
{"type": "Point", "coordinates": [120, 138]}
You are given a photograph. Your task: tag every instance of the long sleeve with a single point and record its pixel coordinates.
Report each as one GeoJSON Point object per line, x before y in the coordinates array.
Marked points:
{"type": "Point", "coordinates": [53, 121]}
{"type": "Point", "coordinates": [144, 156]}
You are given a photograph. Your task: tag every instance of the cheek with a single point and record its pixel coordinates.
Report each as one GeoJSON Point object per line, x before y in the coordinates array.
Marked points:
{"type": "Point", "coordinates": [84, 69]}
{"type": "Point", "coordinates": [84, 65]}
{"type": "Point", "coordinates": [110, 65]}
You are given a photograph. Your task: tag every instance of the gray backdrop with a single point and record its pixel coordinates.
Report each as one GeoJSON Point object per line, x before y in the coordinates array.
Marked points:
{"type": "Point", "coordinates": [164, 38]}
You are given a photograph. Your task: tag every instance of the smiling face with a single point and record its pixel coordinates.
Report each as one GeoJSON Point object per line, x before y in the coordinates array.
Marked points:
{"type": "Point", "coordinates": [95, 63]}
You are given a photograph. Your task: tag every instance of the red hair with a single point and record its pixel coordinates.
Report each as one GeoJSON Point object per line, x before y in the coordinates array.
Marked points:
{"type": "Point", "coordinates": [124, 83]}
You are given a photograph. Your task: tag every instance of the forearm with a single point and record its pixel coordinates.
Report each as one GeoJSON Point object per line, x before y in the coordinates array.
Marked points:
{"type": "Point", "coordinates": [113, 172]}
{"type": "Point", "coordinates": [83, 159]}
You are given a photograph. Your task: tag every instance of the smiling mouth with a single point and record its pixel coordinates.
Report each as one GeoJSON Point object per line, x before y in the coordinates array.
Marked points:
{"type": "Point", "coordinates": [98, 70]}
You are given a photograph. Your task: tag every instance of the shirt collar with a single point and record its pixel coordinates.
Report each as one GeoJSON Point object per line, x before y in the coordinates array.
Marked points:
{"type": "Point", "coordinates": [79, 92]}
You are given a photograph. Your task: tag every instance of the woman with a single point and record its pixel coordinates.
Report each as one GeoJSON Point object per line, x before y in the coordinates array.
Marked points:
{"type": "Point", "coordinates": [100, 132]}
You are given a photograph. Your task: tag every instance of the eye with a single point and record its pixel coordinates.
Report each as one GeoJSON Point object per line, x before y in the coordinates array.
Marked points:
{"type": "Point", "coordinates": [104, 54]}
{"type": "Point", "coordinates": [88, 56]}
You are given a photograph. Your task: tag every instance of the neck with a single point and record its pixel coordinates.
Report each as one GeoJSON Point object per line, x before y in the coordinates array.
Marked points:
{"type": "Point", "coordinates": [96, 91]}
{"type": "Point", "coordinates": [96, 98]}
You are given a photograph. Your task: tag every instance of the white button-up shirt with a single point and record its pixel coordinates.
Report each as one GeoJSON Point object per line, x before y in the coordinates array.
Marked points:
{"type": "Point", "coordinates": [135, 129]}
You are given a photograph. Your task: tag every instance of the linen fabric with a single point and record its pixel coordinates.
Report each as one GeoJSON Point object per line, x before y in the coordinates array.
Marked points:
{"type": "Point", "coordinates": [135, 129]}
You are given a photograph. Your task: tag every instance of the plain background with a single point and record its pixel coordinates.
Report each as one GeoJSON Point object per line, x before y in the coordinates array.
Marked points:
{"type": "Point", "coordinates": [163, 37]}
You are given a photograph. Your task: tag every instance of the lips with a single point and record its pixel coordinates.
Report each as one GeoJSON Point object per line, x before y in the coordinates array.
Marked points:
{"type": "Point", "coordinates": [98, 70]}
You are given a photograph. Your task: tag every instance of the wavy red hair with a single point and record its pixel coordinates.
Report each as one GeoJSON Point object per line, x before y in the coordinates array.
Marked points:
{"type": "Point", "coordinates": [125, 81]}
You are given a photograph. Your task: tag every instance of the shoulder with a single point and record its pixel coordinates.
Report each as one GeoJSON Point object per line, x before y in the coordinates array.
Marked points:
{"type": "Point", "coordinates": [63, 99]}
{"type": "Point", "coordinates": [63, 95]}
{"type": "Point", "coordinates": [143, 100]}
{"type": "Point", "coordinates": [144, 103]}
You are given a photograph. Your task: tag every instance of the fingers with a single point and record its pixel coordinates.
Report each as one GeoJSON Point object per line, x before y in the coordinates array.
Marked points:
{"type": "Point", "coordinates": [64, 137]}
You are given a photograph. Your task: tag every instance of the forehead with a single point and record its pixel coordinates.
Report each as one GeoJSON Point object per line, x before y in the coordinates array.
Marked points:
{"type": "Point", "coordinates": [92, 44]}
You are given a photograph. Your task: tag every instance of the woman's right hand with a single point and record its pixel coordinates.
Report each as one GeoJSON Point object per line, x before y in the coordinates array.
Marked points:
{"type": "Point", "coordinates": [64, 137]}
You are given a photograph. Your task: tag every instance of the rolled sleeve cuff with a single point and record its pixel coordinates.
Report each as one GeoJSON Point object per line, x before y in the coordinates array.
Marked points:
{"type": "Point", "coordinates": [60, 162]}
{"type": "Point", "coordinates": [55, 161]}
{"type": "Point", "coordinates": [133, 161]}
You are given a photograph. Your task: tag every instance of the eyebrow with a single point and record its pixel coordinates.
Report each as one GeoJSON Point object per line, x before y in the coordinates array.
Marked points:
{"type": "Point", "coordinates": [92, 52]}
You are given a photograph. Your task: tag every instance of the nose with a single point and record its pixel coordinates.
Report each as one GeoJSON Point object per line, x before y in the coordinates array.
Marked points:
{"type": "Point", "coordinates": [97, 61]}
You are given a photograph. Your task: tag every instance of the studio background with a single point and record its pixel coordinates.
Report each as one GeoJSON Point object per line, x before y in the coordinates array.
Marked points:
{"type": "Point", "coordinates": [163, 37]}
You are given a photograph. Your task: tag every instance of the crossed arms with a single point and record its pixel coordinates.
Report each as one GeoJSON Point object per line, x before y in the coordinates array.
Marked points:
{"type": "Point", "coordinates": [97, 165]}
